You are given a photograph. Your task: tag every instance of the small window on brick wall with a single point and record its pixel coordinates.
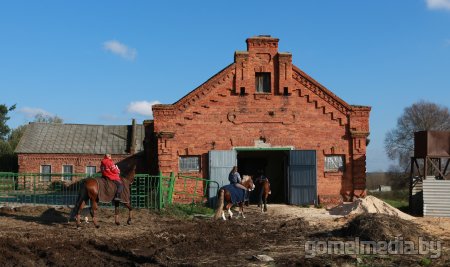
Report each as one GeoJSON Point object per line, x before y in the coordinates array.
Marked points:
{"type": "Point", "coordinates": [334, 163]}
{"type": "Point", "coordinates": [262, 82]}
{"type": "Point", "coordinates": [67, 171]}
{"type": "Point", "coordinates": [189, 164]}
{"type": "Point", "coordinates": [90, 171]}
{"type": "Point", "coordinates": [46, 171]}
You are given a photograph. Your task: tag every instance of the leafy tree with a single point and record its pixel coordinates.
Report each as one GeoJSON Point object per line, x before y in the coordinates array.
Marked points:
{"type": "Point", "coordinates": [4, 129]}
{"type": "Point", "coordinates": [421, 116]}
{"type": "Point", "coordinates": [9, 139]}
{"type": "Point", "coordinates": [47, 119]}
{"type": "Point", "coordinates": [14, 137]}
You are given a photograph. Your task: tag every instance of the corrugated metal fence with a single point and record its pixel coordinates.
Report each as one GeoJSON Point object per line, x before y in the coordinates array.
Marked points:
{"type": "Point", "coordinates": [151, 192]}
{"type": "Point", "coordinates": [436, 198]}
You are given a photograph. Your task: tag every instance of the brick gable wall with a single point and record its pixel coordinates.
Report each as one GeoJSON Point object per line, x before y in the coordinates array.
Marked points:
{"type": "Point", "coordinates": [299, 113]}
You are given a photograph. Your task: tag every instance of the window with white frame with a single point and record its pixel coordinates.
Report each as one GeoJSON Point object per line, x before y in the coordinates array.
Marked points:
{"type": "Point", "coordinates": [262, 82]}
{"type": "Point", "coordinates": [334, 163]}
{"type": "Point", "coordinates": [189, 164]}
{"type": "Point", "coordinates": [67, 172]}
{"type": "Point", "coordinates": [90, 170]}
{"type": "Point", "coordinates": [46, 171]}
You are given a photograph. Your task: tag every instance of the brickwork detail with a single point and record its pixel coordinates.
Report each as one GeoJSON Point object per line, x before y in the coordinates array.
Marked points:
{"type": "Point", "coordinates": [227, 112]}
{"type": "Point", "coordinates": [31, 163]}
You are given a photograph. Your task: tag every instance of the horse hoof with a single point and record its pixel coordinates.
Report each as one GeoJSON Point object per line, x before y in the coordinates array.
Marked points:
{"type": "Point", "coordinates": [97, 226]}
{"type": "Point", "coordinates": [129, 222]}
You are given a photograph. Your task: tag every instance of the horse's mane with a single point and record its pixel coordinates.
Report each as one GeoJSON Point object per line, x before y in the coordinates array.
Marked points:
{"type": "Point", "coordinates": [130, 174]}
{"type": "Point", "coordinates": [246, 178]}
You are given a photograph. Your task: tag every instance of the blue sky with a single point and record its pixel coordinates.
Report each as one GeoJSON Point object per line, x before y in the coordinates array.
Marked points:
{"type": "Point", "coordinates": [105, 62]}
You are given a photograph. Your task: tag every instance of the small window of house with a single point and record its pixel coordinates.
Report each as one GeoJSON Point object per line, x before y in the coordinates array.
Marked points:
{"type": "Point", "coordinates": [67, 172]}
{"type": "Point", "coordinates": [46, 171]}
{"type": "Point", "coordinates": [334, 163]}
{"type": "Point", "coordinates": [90, 171]}
{"type": "Point", "coordinates": [189, 164]}
{"type": "Point", "coordinates": [262, 82]}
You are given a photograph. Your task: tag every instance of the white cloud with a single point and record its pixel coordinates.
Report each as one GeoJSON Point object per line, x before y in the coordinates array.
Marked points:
{"type": "Point", "coordinates": [438, 4]}
{"type": "Point", "coordinates": [120, 49]}
{"type": "Point", "coordinates": [142, 107]}
{"type": "Point", "coordinates": [32, 112]}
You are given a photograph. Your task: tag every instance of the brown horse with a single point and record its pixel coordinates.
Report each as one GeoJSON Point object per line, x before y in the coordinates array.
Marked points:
{"type": "Point", "coordinates": [263, 190]}
{"type": "Point", "coordinates": [90, 191]}
{"type": "Point", "coordinates": [225, 196]}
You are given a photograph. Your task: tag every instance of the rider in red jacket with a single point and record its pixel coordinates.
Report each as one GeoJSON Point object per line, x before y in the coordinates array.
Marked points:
{"type": "Point", "coordinates": [111, 171]}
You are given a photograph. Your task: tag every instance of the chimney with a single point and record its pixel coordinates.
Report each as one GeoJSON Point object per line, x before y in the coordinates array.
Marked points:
{"type": "Point", "coordinates": [262, 44]}
{"type": "Point", "coordinates": [133, 137]}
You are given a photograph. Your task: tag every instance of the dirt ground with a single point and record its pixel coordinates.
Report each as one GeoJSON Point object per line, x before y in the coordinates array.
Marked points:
{"type": "Point", "coordinates": [41, 236]}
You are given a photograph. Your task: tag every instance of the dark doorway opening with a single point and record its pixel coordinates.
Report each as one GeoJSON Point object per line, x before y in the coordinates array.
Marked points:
{"type": "Point", "coordinates": [273, 163]}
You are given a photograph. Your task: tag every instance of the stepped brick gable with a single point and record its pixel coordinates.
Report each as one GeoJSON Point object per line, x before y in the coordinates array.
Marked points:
{"type": "Point", "coordinates": [258, 105]}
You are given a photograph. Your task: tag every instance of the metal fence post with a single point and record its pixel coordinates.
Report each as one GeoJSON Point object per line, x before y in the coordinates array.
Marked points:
{"type": "Point", "coordinates": [160, 191]}
{"type": "Point", "coordinates": [171, 186]}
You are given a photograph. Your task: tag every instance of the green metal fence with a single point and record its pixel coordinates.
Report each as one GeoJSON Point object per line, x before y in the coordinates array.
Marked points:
{"type": "Point", "coordinates": [152, 192]}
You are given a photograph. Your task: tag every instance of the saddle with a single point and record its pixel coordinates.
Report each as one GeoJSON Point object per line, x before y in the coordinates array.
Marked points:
{"type": "Point", "coordinates": [237, 194]}
{"type": "Point", "coordinates": [107, 191]}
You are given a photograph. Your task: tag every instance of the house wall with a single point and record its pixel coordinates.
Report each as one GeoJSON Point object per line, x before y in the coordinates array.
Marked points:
{"type": "Point", "coordinates": [31, 163]}
{"type": "Point", "coordinates": [298, 112]}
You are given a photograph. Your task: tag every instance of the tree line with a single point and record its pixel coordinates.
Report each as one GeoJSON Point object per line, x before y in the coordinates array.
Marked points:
{"type": "Point", "coordinates": [9, 138]}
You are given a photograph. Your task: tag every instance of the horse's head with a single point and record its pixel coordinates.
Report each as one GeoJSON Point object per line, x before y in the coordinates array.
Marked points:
{"type": "Point", "coordinates": [247, 181]}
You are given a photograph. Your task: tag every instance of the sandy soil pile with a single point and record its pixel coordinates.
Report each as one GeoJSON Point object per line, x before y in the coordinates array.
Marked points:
{"type": "Point", "coordinates": [369, 204]}
{"type": "Point", "coordinates": [378, 226]}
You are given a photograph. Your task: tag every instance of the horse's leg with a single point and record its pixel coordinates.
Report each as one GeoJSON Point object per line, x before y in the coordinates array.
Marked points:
{"type": "Point", "coordinates": [223, 215]}
{"type": "Point", "coordinates": [128, 205]}
{"type": "Point", "coordinates": [230, 213]}
{"type": "Point", "coordinates": [265, 202]}
{"type": "Point", "coordinates": [116, 212]}
{"type": "Point", "coordinates": [260, 198]}
{"type": "Point", "coordinates": [78, 215]}
{"type": "Point", "coordinates": [241, 208]}
{"type": "Point", "coordinates": [94, 212]}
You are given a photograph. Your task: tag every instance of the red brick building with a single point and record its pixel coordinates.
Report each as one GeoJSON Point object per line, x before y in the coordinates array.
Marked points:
{"type": "Point", "coordinates": [57, 148]}
{"type": "Point", "coordinates": [263, 113]}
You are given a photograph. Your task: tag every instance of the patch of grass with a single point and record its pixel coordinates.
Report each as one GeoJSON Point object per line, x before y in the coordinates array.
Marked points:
{"type": "Point", "coordinates": [187, 210]}
{"type": "Point", "coordinates": [425, 262]}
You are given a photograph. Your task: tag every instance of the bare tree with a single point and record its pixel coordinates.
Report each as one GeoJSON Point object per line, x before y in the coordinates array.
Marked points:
{"type": "Point", "coordinates": [421, 116]}
{"type": "Point", "coordinates": [47, 119]}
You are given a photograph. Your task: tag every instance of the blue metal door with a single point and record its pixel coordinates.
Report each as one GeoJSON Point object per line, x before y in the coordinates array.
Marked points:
{"type": "Point", "coordinates": [302, 182]}
{"type": "Point", "coordinates": [220, 164]}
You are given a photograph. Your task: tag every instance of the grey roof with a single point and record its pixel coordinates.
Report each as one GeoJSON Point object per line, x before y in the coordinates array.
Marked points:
{"type": "Point", "coordinates": [79, 138]}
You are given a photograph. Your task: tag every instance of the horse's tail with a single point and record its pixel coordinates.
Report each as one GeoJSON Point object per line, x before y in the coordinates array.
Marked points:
{"type": "Point", "coordinates": [220, 203]}
{"type": "Point", "coordinates": [81, 197]}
